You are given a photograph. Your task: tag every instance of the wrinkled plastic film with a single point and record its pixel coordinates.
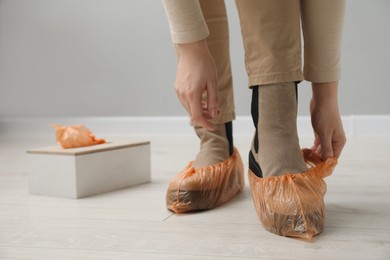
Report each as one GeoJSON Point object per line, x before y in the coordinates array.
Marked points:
{"type": "Point", "coordinates": [207, 187]}
{"type": "Point", "coordinates": [293, 204]}
{"type": "Point", "coordinates": [75, 136]}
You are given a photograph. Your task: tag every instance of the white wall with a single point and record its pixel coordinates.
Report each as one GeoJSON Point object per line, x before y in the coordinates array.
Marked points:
{"type": "Point", "coordinates": [62, 58]}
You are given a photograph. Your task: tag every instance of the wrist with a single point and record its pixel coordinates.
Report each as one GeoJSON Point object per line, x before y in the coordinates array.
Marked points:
{"type": "Point", "coordinates": [325, 92]}
{"type": "Point", "coordinates": [193, 47]}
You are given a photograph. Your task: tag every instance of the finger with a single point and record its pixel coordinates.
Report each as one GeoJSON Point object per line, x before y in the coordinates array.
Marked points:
{"type": "Point", "coordinates": [319, 150]}
{"type": "Point", "coordinates": [205, 109]}
{"type": "Point", "coordinates": [337, 151]}
{"type": "Point", "coordinates": [316, 143]}
{"type": "Point", "coordinates": [197, 113]}
{"type": "Point", "coordinates": [183, 101]}
{"type": "Point", "coordinates": [338, 147]}
{"type": "Point", "coordinates": [212, 99]}
{"type": "Point", "coordinates": [314, 147]}
{"type": "Point", "coordinates": [206, 114]}
{"type": "Point", "coordinates": [186, 106]}
{"type": "Point", "coordinates": [204, 121]}
{"type": "Point", "coordinates": [326, 147]}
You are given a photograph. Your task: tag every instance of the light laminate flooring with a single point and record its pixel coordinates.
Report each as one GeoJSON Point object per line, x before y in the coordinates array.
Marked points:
{"type": "Point", "coordinates": [133, 223]}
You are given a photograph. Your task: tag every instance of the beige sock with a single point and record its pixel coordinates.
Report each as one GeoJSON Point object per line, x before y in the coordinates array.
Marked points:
{"type": "Point", "coordinates": [278, 150]}
{"type": "Point", "coordinates": [214, 146]}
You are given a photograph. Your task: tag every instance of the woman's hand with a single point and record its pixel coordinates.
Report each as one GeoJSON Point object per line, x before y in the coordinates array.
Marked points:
{"type": "Point", "coordinates": [197, 76]}
{"type": "Point", "coordinates": [326, 121]}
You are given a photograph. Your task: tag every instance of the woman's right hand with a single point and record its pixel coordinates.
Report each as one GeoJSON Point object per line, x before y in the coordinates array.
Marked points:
{"type": "Point", "coordinates": [197, 74]}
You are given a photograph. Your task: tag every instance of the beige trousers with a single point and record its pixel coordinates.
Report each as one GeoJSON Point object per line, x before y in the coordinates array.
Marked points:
{"type": "Point", "coordinates": [271, 33]}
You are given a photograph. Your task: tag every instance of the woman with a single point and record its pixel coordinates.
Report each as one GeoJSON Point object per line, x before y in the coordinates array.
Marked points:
{"type": "Point", "coordinates": [271, 33]}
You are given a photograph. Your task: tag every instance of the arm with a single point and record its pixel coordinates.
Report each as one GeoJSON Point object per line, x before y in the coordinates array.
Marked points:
{"type": "Point", "coordinates": [196, 72]}
{"type": "Point", "coordinates": [322, 24]}
{"type": "Point", "coordinates": [326, 121]}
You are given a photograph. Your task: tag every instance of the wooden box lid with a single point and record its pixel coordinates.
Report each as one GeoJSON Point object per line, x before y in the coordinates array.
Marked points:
{"type": "Point", "coordinates": [58, 150]}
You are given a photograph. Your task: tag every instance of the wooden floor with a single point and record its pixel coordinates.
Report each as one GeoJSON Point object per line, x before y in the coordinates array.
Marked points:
{"type": "Point", "coordinates": [134, 223]}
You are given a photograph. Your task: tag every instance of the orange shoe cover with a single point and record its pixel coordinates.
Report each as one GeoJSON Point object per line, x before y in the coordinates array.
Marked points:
{"type": "Point", "coordinates": [293, 204]}
{"type": "Point", "coordinates": [75, 136]}
{"type": "Point", "coordinates": [206, 187]}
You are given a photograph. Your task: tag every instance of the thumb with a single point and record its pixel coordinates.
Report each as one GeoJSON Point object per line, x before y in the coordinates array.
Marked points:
{"type": "Point", "coordinates": [317, 143]}
{"type": "Point", "coordinates": [326, 147]}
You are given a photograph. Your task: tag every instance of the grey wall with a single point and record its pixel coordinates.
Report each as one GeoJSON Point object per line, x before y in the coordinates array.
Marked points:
{"type": "Point", "coordinates": [115, 58]}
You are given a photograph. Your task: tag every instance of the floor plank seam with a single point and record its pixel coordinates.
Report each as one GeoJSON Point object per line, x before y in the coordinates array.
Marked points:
{"type": "Point", "coordinates": [136, 251]}
{"type": "Point", "coordinates": [360, 228]}
{"type": "Point", "coordinates": [165, 219]}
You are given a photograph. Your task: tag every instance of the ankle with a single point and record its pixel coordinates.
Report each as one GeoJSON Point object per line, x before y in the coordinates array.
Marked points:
{"type": "Point", "coordinates": [275, 147]}
{"type": "Point", "coordinates": [215, 146]}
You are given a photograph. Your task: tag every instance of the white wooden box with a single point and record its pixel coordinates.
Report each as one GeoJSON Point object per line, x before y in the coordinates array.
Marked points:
{"type": "Point", "coordinates": [86, 171]}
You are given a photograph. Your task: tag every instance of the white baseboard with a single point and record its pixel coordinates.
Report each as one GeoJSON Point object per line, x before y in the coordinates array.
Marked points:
{"type": "Point", "coordinates": [359, 125]}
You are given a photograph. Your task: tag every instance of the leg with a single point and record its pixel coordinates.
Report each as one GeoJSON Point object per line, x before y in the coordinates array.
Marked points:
{"type": "Point", "coordinates": [275, 147]}
{"type": "Point", "coordinates": [217, 146]}
{"type": "Point", "coordinates": [271, 35]}
{"type": "Point", "coordinates": [322, 25]}
{"type": "Point", "coordinates": [214, 13]}
{"type": "Point", "coordinates": [216, 175]}
{"type": "Point", "coordinates": [288, 196]}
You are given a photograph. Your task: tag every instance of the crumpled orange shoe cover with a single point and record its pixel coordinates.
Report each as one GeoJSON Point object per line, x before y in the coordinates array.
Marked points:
{"type": "Point", "coordinates": [293, 204]}
{"type": "Point", "coordinates": [207, 187]}
{"type": "Point", "coordinates": [75, 136]}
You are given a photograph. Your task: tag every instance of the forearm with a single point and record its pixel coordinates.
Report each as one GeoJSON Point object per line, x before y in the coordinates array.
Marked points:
{"type": "Point", "coordinates": [186, 20]}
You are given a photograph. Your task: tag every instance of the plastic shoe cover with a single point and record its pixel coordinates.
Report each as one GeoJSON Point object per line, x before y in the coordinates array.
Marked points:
{"type": "Point", "coordinates": [293, 204]}
{"type": "Point", "coordinates": [206, 187]}
{"type": "Point", "coordinates": [75, 136]}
